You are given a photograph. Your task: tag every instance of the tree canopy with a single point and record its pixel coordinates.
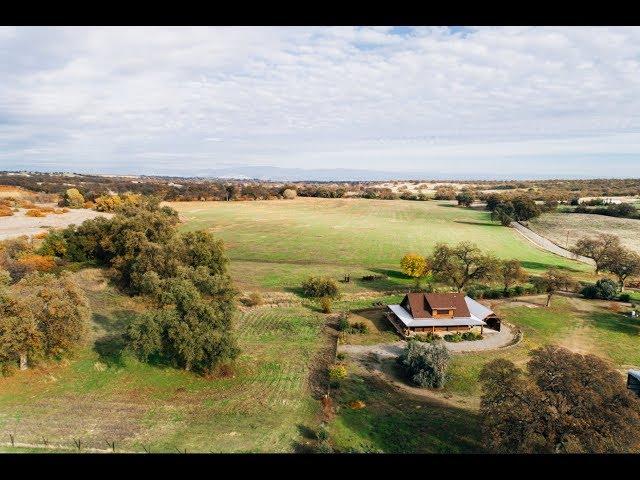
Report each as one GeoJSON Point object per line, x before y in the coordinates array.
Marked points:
{"type": "Point", "coordinates": [184, 273]}
{"type": "Point", "coordinates": [462, 263]}
{"type": "Point", "coordinates": [566, 403]}
{"type": "Point", "coordinates": [42, 315]}
{"type": "Point", "coordinates": [415, 266]}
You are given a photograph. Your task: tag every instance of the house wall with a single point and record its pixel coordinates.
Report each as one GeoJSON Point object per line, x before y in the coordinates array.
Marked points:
{"type": "Point", "coordinates": [458, 328]}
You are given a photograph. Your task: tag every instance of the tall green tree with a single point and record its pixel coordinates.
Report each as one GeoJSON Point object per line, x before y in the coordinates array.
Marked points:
{"type": "Point", "coordinates": [462, 263]}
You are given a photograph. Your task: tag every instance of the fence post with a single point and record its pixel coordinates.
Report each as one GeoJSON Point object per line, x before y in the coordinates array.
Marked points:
{"type": "Point", "coordinates": [12, 439]}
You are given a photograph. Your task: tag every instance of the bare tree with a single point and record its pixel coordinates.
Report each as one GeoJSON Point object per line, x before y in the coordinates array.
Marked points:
{"type": "Point", "coordinates": [600, 249]}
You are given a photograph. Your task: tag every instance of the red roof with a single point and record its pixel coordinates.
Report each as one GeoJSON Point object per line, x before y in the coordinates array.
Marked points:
{"type": "Point", "coordinates": [421, 305]}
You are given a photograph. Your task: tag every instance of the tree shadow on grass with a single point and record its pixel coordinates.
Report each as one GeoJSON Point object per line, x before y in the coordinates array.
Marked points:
{"type": "Point", "coordinates": [484, 224]}
{"type": "Point", "coordinates": [110, 349]}
{"type": "Point", "coordinates": [393, 280]}
{"type": "Point", "coordinates": [545, 266]}
{"type": "Point", "coordinates": [298, 291]}
{"type": "Point", "coordinates": [111, 345]}
{"type": "Point", "coordinates": [397, 421]}
{"type": "Point", "coordinates": [615, 322]}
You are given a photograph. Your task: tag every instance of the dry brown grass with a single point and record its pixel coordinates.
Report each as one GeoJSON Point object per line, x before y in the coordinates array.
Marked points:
{"type": "Point", "coordinates": [565, 229]}
{"type": "Point", "coordinates": [26, 203]}
{"type": "Point", "coordinates": [35, 212]}
{"type": "Point", "coordinates": [5, 211]}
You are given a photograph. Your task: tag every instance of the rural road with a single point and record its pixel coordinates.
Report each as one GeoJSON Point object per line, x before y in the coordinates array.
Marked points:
{"type": "Point", "coordinates": [548, 245]}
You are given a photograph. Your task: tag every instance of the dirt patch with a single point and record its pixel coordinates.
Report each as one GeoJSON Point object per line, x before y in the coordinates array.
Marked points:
{"type": "Point", "coordinates": [20, 224]}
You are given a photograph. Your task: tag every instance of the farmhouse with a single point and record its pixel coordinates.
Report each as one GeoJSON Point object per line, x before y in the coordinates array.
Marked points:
{"type": "Point", "coordinates": [440, 312]}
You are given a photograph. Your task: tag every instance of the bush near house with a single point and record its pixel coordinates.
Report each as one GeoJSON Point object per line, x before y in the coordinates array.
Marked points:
{"type": "Point", "coordinates": [425, 363]}
{"type": "Point", "coordinates": [454, 337]}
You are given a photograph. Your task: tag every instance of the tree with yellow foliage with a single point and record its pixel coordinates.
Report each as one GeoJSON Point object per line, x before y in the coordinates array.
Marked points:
{"type": "Point", "coordinates": [416, 266]}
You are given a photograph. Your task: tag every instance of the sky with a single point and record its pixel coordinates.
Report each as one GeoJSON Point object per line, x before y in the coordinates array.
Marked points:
{"type": "Point", "coordinates": [453, 101]}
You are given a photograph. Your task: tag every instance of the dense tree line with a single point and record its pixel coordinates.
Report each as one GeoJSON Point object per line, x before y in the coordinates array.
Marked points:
{"type": "Point", "coordinates": [465, 266]}
{"type": "Point", "coordinates": [624, 210]}
{"type": "Point", "coordinates": [185, 274]}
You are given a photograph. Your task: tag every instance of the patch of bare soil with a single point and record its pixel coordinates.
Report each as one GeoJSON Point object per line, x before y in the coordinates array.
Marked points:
{"type": "Point", "coordinates": [20, 224]}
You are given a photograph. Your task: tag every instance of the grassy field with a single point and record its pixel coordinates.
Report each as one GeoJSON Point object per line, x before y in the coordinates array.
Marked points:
{"type": "Point", "coordinates": [395, 420]}
{"type": "Point", "coordinates": [271, 403]}
{"type": "Point", "coordinates": [274, 245]}
{"type": "Point", "coordinates": [557, 226]}
{"type": "Point", "coordinates": [104, 395]}
{"type": "Point", "coordinates": [584, 326]}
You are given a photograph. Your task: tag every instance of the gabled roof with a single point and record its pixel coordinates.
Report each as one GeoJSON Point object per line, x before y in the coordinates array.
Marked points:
{"type": "Point", "coordinates": [423, 304]}
{"type": "Point", "coordinates": [448, 301]}
{"type": "Point", "coordinates": [466, 310]}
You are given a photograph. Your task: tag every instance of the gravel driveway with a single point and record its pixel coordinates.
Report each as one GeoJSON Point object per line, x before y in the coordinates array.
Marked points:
{"type": "Point", "coordinates": [492, 340]}
{"type": "Point", "coordinates": [548, 245]}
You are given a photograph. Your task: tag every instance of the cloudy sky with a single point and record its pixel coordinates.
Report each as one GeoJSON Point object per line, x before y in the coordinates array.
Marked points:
{"type": "Point", "coordinates": [444, 101]}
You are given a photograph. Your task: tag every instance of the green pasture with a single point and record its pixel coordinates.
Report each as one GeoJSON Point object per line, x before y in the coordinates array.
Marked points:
{"type": "Point", "coordinates": [105, 395]}
{"type": "Point", "coordinates": [274, 245]}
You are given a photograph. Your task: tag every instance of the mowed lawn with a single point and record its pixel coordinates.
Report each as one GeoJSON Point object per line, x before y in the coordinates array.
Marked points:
{"type": "Point", "coordinates": [275, 244]}
{"type": "Point", "coordinates": [103, 395]}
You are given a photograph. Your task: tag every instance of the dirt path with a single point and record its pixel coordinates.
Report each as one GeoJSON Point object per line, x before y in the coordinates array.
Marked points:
{"type": "Point", "coordinates": [548, 245]}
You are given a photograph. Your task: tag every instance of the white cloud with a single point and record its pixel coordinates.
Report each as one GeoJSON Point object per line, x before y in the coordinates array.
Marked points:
{"type": "Point", "coordinates": [112, 97]}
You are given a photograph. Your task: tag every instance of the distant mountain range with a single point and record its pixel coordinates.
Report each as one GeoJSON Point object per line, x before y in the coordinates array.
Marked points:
{"type": "Point", "coordinates": [345, 174]}
{"type": "Point", "coordinates": [284, 174]}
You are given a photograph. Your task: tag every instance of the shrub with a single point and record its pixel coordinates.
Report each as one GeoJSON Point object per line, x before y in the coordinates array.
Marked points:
{"type": "Point", "coordinates": [42, 263]}
{"type": "Point", "coordinates": [624, 297]}
{"type": "Point", "coordinates": [471, 336]}
{"type": "Point", "coordinates": [359, 327]}
{"type": "Point", "coordinates": [26, 204]}
{"type": "Point", "coordinates": [35, 212]}
{"type": "Point", "coordinates": [341, 355]}
{"type": "Point", "coordinates": [425, 364]}
{"type": "Point", "coordinates": [325, 304]}
{"type": "Point", "coordinates": [73, 199]}
{"type": "Point", "coordinates": [289, 194]}
{"type": "Point", "coordinates": [518, 290]}
{"type": "Point", "coordinates": [453, 337]}
{"type": "Point", "coordinates": [343, 322]}
{"type": "Point", "coordinates": [428, 337]}
{"type": "Point", "coordinates": [604, 288]}
{"type": "Point", "coordinates": [337, 372]}
{"type": "Point", "coordinates": [5, 211]}
{"type": "Point", "coordinates": [253, 299]}
{"type": "Point", "coordinates": [318, 287]}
